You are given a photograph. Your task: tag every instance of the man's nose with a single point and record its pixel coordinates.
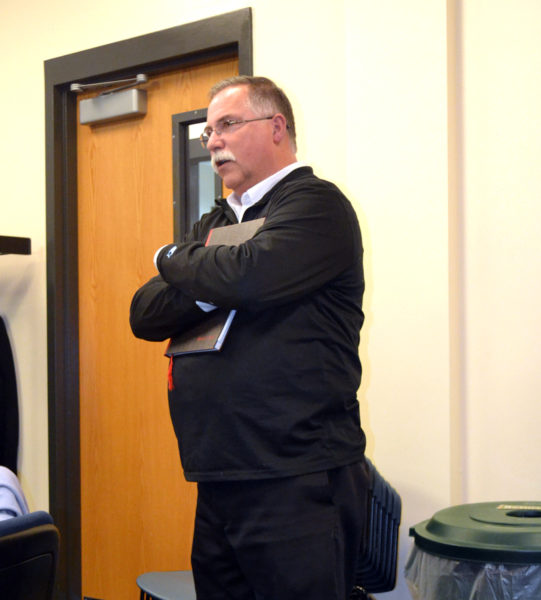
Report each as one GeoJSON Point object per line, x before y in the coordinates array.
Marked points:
{"type": "Point", "coordinates": [215, 141]}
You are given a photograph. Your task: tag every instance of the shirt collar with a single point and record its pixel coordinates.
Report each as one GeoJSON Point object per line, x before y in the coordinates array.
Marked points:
{"type": "Point", "coordinates": [256, 192]}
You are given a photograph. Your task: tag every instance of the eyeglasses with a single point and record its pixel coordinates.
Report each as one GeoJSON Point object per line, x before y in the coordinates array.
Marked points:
{"type": "Point", "coordinates": [226, 127]}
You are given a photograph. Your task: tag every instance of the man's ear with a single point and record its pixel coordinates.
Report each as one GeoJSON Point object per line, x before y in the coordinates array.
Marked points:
{"type": "Point", "coordinates": [279, 127]}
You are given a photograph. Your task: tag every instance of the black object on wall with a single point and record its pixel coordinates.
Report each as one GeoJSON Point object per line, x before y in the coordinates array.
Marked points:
{"type": "Point", "coordinates": [14, 245]}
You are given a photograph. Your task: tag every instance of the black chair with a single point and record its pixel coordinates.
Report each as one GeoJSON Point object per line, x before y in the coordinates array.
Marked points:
{"type": "Point", "coordinates": [377, 566]}
{"type": "Point", "coordinates": [28, 557]}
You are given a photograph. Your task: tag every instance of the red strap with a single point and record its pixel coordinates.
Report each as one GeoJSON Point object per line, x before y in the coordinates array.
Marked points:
{"type": "Point", "coordinates": [171, 385]}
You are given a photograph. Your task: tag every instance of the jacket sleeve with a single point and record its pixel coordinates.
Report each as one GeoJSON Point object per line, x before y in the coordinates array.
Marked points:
{"type": "Point", "coordinates": [159, 311]}
{"type": "Point", "coordinates": [309, 237]}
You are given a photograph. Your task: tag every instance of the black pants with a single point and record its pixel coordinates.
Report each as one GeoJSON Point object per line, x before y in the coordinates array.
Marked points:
{"type": "Point", "coordinates": [295, 538]}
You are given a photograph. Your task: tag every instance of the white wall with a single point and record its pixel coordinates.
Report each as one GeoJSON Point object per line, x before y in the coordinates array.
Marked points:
{"type": "Point", "coordinates": [397, 172]}
{"type": "Point", "coordinates": [426, 113]}
{"type": "Point", "coordinates": [502, 232]}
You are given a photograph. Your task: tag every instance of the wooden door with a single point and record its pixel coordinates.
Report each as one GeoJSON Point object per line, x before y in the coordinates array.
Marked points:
{"type": "Point", "coordinates": [136, 508]}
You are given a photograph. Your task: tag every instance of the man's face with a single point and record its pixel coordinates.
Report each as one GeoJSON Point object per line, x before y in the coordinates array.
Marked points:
{"type": "Point", "coordinates": [241, 156]}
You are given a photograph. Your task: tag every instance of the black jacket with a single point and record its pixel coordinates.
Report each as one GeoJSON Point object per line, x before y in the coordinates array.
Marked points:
{"type": "Point", "coordinates": [279, 399]}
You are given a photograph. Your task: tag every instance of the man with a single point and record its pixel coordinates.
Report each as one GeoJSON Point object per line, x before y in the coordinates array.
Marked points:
{"type": "Point", "coordinates": [269, 426]}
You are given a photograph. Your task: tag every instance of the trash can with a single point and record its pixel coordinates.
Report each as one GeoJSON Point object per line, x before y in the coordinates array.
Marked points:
{"type": "Point", "coordinates": [485, 551]}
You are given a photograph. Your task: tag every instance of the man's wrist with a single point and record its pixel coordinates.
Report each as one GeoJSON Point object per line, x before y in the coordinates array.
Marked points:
{"type": "Point", "coordinates": [172, 248]}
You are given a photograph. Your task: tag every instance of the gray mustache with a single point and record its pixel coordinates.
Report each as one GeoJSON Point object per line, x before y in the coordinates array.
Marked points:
{"type": "Point", "coordinates": [221, 156]}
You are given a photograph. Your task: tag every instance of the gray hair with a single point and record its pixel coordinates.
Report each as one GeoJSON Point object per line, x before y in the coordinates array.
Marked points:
{"type": "Point", "coordinates": [264, 96]}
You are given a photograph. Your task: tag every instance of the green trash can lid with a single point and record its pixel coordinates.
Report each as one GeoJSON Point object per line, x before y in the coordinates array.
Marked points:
{"type": "Point", "coordinates": [503, 532]}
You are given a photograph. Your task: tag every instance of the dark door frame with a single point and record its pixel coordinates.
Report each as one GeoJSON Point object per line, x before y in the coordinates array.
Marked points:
{"type": "Point", "coordinates": [186, 45]}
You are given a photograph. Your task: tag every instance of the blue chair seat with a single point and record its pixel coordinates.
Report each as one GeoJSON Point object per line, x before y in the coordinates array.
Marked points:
{"type": "Point", "coordinates": [167, 585]}
{"type": "Point", "coordinates": [28, 556]}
